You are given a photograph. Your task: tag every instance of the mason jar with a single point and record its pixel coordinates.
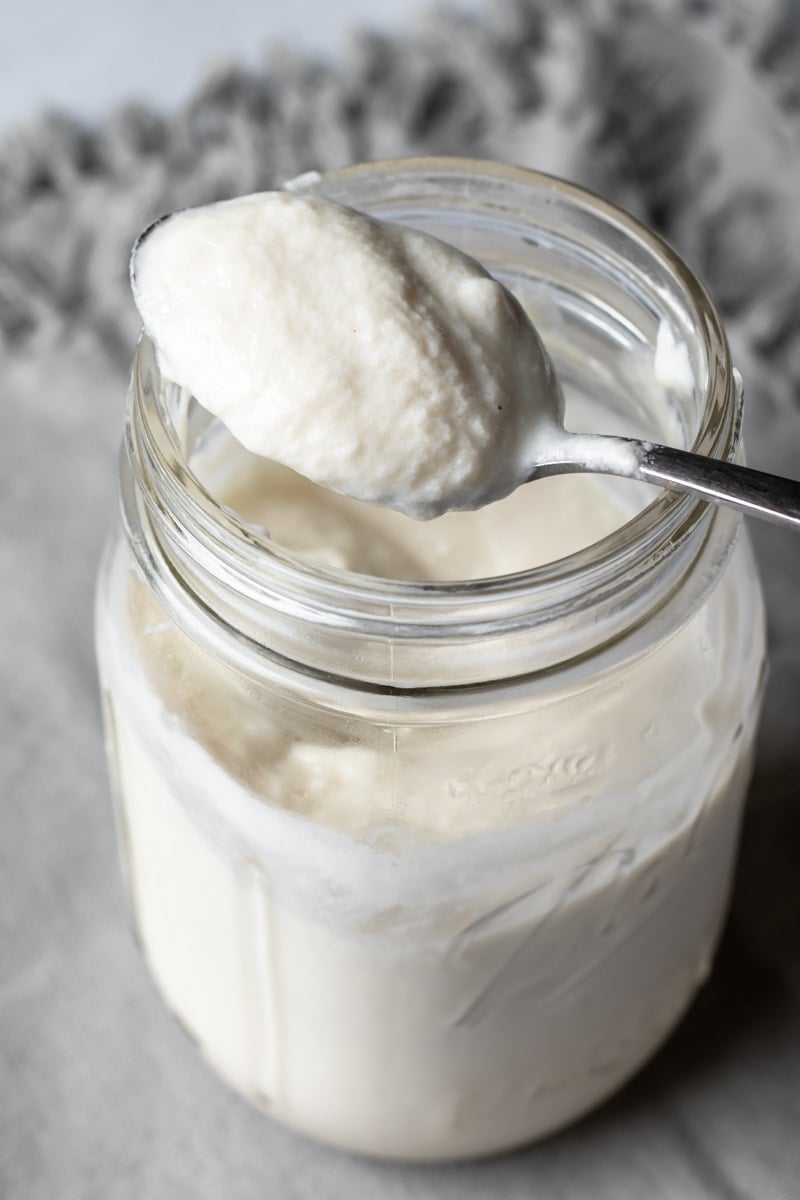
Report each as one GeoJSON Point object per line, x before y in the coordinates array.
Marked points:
{"type": "Point", "coordinates": [427, 870]}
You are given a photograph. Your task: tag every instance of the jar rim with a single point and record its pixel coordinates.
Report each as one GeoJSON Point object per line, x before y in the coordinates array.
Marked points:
{"type": "Point", "coordinates": [420, 610]}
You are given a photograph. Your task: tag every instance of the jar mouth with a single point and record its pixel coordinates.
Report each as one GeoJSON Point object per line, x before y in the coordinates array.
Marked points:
{"type": "Point", "coordinates": [672, 525]}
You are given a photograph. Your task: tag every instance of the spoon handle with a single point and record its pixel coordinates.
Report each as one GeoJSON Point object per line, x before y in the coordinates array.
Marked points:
{"type": "Point", "coordinates": [756, 493]}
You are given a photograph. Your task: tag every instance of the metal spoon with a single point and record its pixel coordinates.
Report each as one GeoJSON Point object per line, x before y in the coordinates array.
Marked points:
{"type": "Point", "coordinates": [530, 442]}
{"type": "Point", "coordinates": [755, 493]}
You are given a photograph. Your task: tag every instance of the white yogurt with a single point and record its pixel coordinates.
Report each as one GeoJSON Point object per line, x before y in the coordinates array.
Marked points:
{"type": "Point", "coordinates": [371, 358]}
{"type": "Point", "coordinates": [369, 992]}
{"type": "Point", "coordinates": [422, 938]}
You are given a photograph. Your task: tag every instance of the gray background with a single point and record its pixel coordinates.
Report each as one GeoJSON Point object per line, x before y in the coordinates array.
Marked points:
{"type": "Point", "coordinates": [90, 54]}
{"type": "Point", "coordinates": [693, 122]}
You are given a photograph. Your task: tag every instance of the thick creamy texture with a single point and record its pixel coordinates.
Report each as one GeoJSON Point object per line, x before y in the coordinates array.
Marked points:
{"type": "Point", "coordinates": [371, 358]}
{"type": "Point", "coordinates": [423, 937]}
{"type": "Point", "coordinates": [537, 524]}
{"type": "Point", "coordinates": [441, 939]}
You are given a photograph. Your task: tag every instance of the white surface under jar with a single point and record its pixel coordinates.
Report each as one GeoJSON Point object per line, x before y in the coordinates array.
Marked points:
{"type": "Point", "coordinates": [427, 870]}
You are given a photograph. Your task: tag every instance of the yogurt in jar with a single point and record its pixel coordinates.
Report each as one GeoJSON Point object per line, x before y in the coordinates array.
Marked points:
{"type": "Point", "coordinates": [439, 927]}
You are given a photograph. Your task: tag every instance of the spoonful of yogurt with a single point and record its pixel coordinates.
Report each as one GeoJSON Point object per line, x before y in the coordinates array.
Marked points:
{"type": "Point", "coordinates": [381, 362]}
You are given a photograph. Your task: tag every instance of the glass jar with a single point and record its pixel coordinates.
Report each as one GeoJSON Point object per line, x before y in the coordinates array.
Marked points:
{"type": "Point", "coordinates": [429, 870]}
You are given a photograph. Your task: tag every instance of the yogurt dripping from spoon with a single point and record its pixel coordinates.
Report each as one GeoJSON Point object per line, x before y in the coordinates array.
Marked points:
{"type": "Point", "coordinates": [372, 358]}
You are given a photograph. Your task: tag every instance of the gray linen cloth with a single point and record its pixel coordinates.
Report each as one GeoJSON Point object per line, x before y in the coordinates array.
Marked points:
{"type": "Point", "coordinates": [689, 114]}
